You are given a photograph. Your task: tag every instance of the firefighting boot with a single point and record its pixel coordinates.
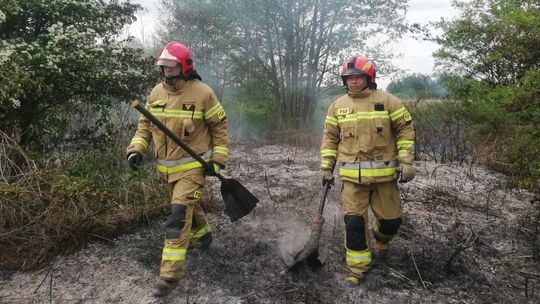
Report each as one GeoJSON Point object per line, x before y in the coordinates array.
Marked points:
{"type": "Point", "coordinates": [352, 280]}
{"type": "Point", "coordinates": [381, 250]}
{"type": "Point", "coordinates": [164, 288]}
{"type": "Point", "coordinates": [202, 243]}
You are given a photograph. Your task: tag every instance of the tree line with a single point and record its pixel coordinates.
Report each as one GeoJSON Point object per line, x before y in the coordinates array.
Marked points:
{"type": "Point", "coordinates": [65, 64]}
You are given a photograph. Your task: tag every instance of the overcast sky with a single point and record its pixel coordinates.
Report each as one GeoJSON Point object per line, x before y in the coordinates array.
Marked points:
{"type": "Point", "coordinates": [415, 56]}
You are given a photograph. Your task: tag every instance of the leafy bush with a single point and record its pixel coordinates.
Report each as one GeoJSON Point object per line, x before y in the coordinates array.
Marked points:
{"type": "Point", "coordinates": [502, 125]}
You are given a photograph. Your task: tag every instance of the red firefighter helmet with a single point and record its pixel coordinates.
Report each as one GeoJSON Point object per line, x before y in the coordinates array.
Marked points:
{"type": "Point", "coordinates": [359, 65]}
{"type": "Point", "coordinates": [175, 52]}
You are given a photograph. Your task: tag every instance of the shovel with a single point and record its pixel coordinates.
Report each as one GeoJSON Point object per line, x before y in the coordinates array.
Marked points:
{"type": "Point", "coordinates": [238, 200]}
{"type": "Point", "coordinates": [310, 251]}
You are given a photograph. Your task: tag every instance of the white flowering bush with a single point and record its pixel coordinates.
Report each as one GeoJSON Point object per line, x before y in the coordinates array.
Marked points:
{"type": "Point", "coordinates": [56, 55]}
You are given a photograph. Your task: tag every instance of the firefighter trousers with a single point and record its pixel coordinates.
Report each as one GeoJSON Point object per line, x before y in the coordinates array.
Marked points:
{"type": "Point", "coordinates": [186, 222]}
{"type": "Point", "coordinates": [385, 203]}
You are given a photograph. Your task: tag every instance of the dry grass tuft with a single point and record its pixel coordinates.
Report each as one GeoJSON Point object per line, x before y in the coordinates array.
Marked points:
{"type": "Point", "coordinates": [57, 209]}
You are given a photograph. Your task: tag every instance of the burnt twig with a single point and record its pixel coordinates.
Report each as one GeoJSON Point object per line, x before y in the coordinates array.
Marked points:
{"type": "Point", "coordinates": [417, 271]}
{"type": "Point", "coordinates": [468, 243]}
{"type": "Point", "coordinates": [267, 188]}
{"type": "Point", "coordinates": [47, 274]}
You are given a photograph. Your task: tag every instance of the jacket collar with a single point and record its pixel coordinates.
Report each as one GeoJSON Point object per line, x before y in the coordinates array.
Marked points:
{"type": "Point", "coordinates": [365, 93]}
{"type": "Point", "coordinates": [178, 88]}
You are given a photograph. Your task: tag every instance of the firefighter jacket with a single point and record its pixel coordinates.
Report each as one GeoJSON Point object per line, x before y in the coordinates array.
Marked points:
{"type": "Point", "coordinates": [369, 134]}
{"type": "Point", "coordinates": [195, 115]}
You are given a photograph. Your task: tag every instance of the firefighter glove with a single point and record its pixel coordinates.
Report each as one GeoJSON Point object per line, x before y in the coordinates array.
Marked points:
{"type": "Point", "coordinates": [213, 168]}
{"type": "Point", "coordinates": [134, 160]}
{"type": "Point", "coordinates": [327, 176]}
{"type": "Point", "coordinates": [407, 173]}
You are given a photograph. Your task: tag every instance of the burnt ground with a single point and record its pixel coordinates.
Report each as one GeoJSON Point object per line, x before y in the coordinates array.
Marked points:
{"type": "Point", "coordinates": [464, 239]}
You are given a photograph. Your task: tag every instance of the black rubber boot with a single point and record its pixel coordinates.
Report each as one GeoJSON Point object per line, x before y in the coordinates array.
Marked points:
{"type": "Point", "coordinates": [206, 240]}
{"type": "Point", "coordinates": [203, 243]}
{"type": "Point", "coordinates": [163, 288]}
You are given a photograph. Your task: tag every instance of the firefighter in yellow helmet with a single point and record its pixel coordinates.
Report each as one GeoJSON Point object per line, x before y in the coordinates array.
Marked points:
{"type": "Point", "coordinates": [190, 109]}
{"type": "Point", "coordinates": [370, 134]}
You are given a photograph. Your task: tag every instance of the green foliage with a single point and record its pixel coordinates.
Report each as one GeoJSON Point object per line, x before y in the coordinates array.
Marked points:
{"type": "Point", "coordinates": [250, 110]}
{"type": "Point", "coordinates": [522, 154]}
{"type": "Point", "coordinates": [503, 126]}
{"type": "Point", "coordinates": [291, 48]}
{"type": "Point", "coordinates": [417, 86]}
{"type": "Point", "coordinates": [493, 40]}
{"type": "Point", "coordinates": [526, 102]}
{"type": "Point", "coordinates": [57, 55]}
{"type": "Point", "coordinates": [493, 47]}
{"type": "Point", "coordinates": [493, 50]}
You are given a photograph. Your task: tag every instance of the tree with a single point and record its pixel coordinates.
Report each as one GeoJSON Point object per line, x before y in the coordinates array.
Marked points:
{"type": "Point", "coordinates": [289, 47]}
{"type": "Point", "coordinates": [417, 86]}
{"type": "Point", "coordinates": [493, 48]}
{"type": "Point", "coordinates": [492, 40]}
{"type": "Point", "coordinates": [56, 55]}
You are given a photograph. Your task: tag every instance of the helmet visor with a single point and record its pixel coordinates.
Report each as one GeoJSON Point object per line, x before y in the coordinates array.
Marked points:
{"type": "Point", "coordinates": [353, 71]}
{"type": "Point", "coordinates": [165, 62]}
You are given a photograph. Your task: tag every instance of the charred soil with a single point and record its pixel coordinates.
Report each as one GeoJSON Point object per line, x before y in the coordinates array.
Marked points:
{"type": "Point", "coordinates": [465, 238]}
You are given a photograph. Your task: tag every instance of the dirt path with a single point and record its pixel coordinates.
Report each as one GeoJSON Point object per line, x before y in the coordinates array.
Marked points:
{"type": "Point", "coordinates": [465, 239]}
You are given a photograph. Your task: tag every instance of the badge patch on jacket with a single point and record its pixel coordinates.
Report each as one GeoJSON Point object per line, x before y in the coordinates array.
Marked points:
{"type": "Point", "coordinates": [407, 117]}
{"type": "Point", "coordinates": [343, 111]}
{"type": "Point", "coordinates": [188, 107]}
{"type": "Point", "coordinates": [221, 114]}
{"type": "Point", "coordinates": [379, 107]}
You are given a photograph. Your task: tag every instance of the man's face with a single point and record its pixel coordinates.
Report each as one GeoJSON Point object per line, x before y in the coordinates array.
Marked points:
{"type": "Point", "coordinates": [356, 83]}
{"type": "Point", "coordinates": [171, 71]}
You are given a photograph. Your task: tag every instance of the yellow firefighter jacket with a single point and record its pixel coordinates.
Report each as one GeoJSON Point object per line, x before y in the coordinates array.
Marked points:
{"type": "Point", "coordinates": [368, 133]}
{"type": "Point", "coordinates": [195, 115]}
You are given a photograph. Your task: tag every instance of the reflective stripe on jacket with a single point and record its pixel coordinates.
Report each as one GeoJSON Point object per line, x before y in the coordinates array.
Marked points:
{"type": "Point", "coordinates": [195, 115]}
{"type": "Point", "coordinates": [368, 134]}
{"type": "Point", "coordinates": [180, 165]}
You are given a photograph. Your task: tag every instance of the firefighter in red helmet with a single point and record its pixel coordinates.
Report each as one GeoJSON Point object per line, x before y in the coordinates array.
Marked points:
{"type": "Point", "coordinates": [369, 136]}
{"type": "Point", "coordinates": [190, 109]}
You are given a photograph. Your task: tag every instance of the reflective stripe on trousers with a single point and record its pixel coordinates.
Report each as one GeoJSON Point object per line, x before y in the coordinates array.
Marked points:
{"type": "Point", "coordinates": [358, 257]}
{"type": "Point", "coordinates": [173, 254]}
{"type": "Point", "coordinates": [200, 233]}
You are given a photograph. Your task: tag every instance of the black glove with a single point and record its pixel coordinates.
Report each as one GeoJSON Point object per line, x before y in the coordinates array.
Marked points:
{"type": "Point", "coordinates": [134, 160]}
{"type": "Point", "coordinates": [213, 168]}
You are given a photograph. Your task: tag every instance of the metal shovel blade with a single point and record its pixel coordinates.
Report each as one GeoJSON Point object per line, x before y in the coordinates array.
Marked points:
{"type": "Point", "coordinates": [238, 200]}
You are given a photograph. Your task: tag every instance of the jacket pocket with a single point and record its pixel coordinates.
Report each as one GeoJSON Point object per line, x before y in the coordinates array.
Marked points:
{"type": "Point", "coordinates": [348, 139]}
{"type": "Point", "coordinates": [188, 124]}
{"type": "Point", "coordinates": [381, 135]}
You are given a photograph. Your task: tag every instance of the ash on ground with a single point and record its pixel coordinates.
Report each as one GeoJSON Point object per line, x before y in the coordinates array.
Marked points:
{"type": "Point", "coordinates": [464, 239]}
